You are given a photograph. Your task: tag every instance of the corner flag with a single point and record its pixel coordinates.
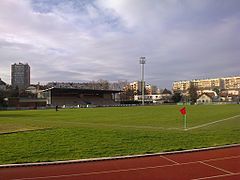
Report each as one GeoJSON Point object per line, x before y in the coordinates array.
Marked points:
{"type": "Point", "coordinates": [183, 111]}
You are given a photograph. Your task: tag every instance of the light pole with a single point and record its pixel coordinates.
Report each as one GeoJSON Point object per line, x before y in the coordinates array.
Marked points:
{"type": "Point", "coordinates": [142, 61]}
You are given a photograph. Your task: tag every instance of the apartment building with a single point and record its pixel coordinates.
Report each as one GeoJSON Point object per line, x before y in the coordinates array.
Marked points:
{"type": "Point", "coordinates": [136, 86]}
{"type": "Point", "coordinates": [181, 86]}
{"type": "Point", "coordinates": [20, 76]}
{"type": "Point", "coordinates": [227, 83]}
{"type": "Point", "coordinates": [231, 83]}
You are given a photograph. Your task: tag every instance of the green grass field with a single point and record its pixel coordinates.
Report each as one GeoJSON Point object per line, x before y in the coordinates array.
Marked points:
{"type": "Point", "coordinates": [46, 135]}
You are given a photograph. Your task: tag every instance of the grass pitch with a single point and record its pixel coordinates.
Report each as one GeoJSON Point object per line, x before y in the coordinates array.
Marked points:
{"type": "Point", "coordinates": [46, 135]}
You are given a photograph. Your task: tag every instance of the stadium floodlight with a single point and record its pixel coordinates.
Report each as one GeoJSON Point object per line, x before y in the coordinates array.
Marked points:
{"type": "Point", "coordinates": [142, 61]}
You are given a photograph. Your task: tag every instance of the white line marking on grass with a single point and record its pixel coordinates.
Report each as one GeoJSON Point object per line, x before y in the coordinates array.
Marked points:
{"type": "Point", "coordinates": [143, 127]}
{"type": "Point", "coordinates": [124, 170]}
{"type": "Point", "coordinates": [214, 122]}
{"type": "Point", "coordinates": [123, 126]}
{"type": "Point", "coordinates": [218, 176]}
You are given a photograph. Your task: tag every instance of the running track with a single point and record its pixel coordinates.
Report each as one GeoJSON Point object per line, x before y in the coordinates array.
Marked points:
{"type": "Point", "coordinates": [223, 164]}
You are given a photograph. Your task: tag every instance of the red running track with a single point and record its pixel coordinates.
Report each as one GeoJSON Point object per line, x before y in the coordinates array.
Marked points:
{"type": "Point", "coordinates": [223, 164]}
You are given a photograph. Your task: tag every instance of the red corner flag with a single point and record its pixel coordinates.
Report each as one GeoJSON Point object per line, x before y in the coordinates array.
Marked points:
{"type": "Point", "coordinates": [183, 111]}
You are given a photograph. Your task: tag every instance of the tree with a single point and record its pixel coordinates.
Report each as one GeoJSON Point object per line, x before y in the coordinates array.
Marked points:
{"type": "Point", "coordinates": [154, 89]}
{"type": "Point", "coordinates": [193, 93]}
{"type": "Point", "coordinates": [3, 95]}
{"type": "Point", "coordinates": [127, 95]}
{"type": "Point", "coordinates": [100, 84]}
{"type": "Point", "coordinates": [119, 85]}
{"type": "Point", "coordinates": [216, 90]}
{"type": "Point", "coordinates": [14, 92]}
{"type": "Point", "coordinates": [177, 97]}
{"type": "Point", "coordinates": [103, 84]}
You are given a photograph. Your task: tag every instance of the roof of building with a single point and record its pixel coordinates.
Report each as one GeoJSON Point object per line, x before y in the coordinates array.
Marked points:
{"type": "Point", "coordinates": [2, 82]}
{"type": "Point", "coordinates": [165, 91]}
{"type": "Point", "coordinates": [73, 90]}
{"type": "Point", "coordinates": [31, 88]}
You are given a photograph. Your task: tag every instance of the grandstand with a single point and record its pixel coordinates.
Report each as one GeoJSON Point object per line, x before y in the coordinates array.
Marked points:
{"type": "Point", "coordinates": [79, 97]}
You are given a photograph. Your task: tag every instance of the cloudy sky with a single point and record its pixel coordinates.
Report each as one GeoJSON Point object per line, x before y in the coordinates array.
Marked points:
{"type": "Point", "coordinates": [84, 40]}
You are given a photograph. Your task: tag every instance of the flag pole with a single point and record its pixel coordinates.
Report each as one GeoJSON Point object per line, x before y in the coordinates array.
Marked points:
{"type": "Point", "coordinates": [185, 121]}
{"type": "Point", "coordinates": [184, 114]}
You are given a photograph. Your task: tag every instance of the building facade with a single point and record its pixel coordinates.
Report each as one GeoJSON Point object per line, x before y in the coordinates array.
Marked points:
{"type": "Point", "coordinates": [181, 86]}
{"type": "Point", "coordinates": [136, 87]}
{"type": "Point", "coordinates": [3, 85]}
{"type": "Point", "coordinates": [154, 98]}
{"type": "Point", "coordinates": [20, 76]}
{"type": "Point", "coordinates": [204, 99]}
{"type": "Point", "coordinates": [228, 83]}
{"type": "Point", "coordinates": [231, 83]}
{"type": "Point", "coordinates": [78, 97]}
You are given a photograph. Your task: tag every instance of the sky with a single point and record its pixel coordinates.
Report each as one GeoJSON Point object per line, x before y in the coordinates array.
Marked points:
{"type": "Point", "coordinates": [85, 40]}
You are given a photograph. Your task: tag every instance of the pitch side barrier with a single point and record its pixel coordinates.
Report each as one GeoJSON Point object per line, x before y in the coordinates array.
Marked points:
{"type": "Point", "coordinates": [70, 107]}
{"type": "Point", "coordinates": [95, 106]}
{"type": "Point", "coordinates": [78, 106]}
{"type": "Point", "coordinates": [115, 105]}
{"type": "Point", "coordinates": [21, 108]}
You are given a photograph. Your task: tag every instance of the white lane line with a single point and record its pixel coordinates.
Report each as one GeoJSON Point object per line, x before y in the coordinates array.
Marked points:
{"type": "Point", "coordinates": [104, 172]}
{"type": "Point", "coordinates": [214, 122]}
{"type": "Point", "coordinates": [120, 170]}
{"type": "Point", "coordinates": [175, 162]}
{"type": "Point", "coordinates": [221, 169]}
{"type": "Point", "coordinates": [218, 176]}
{"type": "Point", "coordinates": [223, 158]}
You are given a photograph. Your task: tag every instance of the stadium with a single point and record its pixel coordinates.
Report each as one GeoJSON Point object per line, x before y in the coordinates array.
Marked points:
{"type": "Point", "coordinates": [79, 97]}
{"type": "Point", "coordinates": [76, 102]}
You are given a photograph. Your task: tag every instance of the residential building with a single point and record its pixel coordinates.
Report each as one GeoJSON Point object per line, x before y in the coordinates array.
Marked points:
{"type": "Point", "coordinates": [205, 98]}
{"type": "Point", "coordinates": [20, 76]}
{"type": "Point", "coordinates": [228, 83]}
{"type": "Point", "coordinates": [199, 92]}
{"type": "Point", "coordinates": [148, 89]}
{"type": "Point", "coordinates": [136, 87]}
{"type": "Point", "coordinates": [165, 96]}
{"type": "Point", "coordinates": [181, 86]}
{"type": "Point", "coordinates": [3, 85]}
{"type": "Point", "coordinates": [154, 98]}
{"type": "Point", "coordinates": [148, 98]}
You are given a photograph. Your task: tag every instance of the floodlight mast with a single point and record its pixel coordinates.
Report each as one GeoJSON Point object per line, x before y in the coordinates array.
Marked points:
{"type": "Point", "coordinates": [142, 61]}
